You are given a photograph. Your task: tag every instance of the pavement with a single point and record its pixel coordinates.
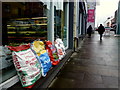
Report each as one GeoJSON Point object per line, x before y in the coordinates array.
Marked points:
{"type": "Point", "coordinates": [94, 65]}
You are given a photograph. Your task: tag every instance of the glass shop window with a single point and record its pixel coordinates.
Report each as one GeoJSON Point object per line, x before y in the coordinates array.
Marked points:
{"type": "Point", "coordinates": [22, 22]}
{"type": "Point", "coordinates": [60, 21]}
{"type": "Point", "coordinates": [58, 17]}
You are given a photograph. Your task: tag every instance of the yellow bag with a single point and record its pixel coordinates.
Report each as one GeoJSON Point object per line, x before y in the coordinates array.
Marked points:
{"type": "Point", "coordinates": [39, 47]}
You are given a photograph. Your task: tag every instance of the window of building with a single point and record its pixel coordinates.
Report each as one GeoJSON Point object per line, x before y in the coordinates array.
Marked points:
{"type": "Point", "coordinates": [61, 21]}
{"type": "Point", "coordinates": [21, 23]}
{"type": "Point", "coordinates": [26, 22]}
{"type": "Point", "coordinates": [66, 21]}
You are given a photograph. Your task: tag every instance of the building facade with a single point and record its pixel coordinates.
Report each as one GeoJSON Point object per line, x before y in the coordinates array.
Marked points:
{"type": "Point", "coordinates": [24, 22]}
{"type": "Point", "coordinates": [118, 19]}
{"type": "Point", "coordinates": [79, 22]}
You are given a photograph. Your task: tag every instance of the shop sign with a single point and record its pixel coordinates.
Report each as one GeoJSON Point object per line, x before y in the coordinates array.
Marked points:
{"type": "Point", "coordinates": [91, 15]}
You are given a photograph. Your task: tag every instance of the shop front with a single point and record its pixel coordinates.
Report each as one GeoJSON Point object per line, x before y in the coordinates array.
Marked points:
{"type": "Point", "coordinates": [24, 22]}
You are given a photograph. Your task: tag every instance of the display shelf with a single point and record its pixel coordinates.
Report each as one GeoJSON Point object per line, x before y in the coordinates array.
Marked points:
{"type": "Point", "coordinates": [24, 29]}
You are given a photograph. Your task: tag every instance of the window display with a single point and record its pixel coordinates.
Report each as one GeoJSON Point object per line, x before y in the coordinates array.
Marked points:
{"type": "Point", "coordinates": [27, 29]}
{"type": "Point", "coordinates": [24, 22]}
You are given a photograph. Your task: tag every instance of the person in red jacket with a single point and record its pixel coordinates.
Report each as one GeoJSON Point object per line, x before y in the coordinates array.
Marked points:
{"type": "Point", "coordinates": [101, 30]}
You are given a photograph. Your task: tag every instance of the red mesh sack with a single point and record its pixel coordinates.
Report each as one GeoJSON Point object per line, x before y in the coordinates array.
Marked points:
{"type": "Point", "coordinates": [52, 52]}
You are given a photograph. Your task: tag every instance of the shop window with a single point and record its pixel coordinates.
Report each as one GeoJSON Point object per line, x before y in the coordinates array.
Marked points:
{"type": "Point", "coordinates": [61, 21]}
{"type": "Point", "coordinates": [58, 23]}
{"type": "Point", "coordinates": [33, 24]}
{"type": "Point", "coordinates": [25, 23]}
{"type": "Point", "coordinates": [6, 8]}
{"type": "Point", "coordinates": [65, 25]}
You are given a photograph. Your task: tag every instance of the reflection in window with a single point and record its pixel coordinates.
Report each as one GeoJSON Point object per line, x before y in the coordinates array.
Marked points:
{"type": "Point", "coordinates": [7, 69]}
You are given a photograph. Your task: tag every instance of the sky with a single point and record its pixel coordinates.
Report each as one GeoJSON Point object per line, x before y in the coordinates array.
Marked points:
{"type": "Point", "coordinates": [106, 9]}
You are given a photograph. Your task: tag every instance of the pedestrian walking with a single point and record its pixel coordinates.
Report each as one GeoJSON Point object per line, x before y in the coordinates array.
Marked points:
{"type": "Point", "coordinates": [101, 30]}
{"type": "Point", "coordinates": [89, 31]}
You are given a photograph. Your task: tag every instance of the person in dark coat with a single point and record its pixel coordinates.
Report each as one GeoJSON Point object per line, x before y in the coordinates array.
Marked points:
{"type": "Point", "coordinates": [101, 30]}
{"type": "Point", "coordinates": [89, 31]}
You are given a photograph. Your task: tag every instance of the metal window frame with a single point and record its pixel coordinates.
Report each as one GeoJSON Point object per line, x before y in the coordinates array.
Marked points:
{"type": "Point", "coordinates": [10, 82]}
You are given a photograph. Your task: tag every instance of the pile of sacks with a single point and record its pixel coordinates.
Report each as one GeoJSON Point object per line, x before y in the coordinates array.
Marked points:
{"type": "Point", "coordinates": [33, 61]}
